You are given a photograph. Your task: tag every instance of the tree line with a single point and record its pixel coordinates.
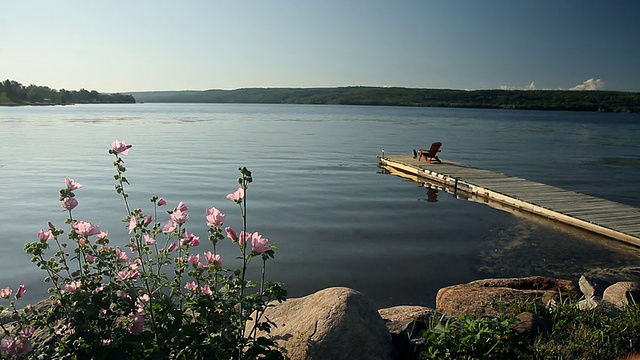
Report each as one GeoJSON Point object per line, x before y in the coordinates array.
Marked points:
{"type": "Point", "coordinates": [14, 93]}
{"type": "Point", "coordinates": [565, 100]}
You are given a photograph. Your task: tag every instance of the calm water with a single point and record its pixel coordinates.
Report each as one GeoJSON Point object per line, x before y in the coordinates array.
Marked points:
{"type": "Point", "coordinates": [318, 194]}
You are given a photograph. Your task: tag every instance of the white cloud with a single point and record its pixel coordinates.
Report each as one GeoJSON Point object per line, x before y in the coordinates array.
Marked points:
{"type": "Point", "coordinates": [531, 86]}
{"type": "Point", "coordinates": [590, 84]}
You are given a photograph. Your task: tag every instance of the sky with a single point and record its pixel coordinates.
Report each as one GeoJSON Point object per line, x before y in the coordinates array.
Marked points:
{"type": "Point", "coordinates": [144, 45]}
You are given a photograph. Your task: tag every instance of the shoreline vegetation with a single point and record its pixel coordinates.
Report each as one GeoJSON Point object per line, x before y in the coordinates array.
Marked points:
{"type": "Point", "coordinates": [13, 93]}
{"type": "Point", "coordinates": [559, 100]}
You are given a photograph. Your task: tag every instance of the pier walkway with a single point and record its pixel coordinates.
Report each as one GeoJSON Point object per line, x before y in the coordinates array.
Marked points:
{"type": "Point", "coordinates": [604, 217]}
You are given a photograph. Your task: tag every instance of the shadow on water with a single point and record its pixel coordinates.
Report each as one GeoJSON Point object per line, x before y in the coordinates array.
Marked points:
{"type": "Point", "coordinates": [620, 161]}
{"type": "Point", "coordinates": [539, 246]}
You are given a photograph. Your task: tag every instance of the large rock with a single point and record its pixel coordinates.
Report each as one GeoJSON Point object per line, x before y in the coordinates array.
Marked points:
{"type": "Point", "coordinates": [531, 325]}
{"type": "Point", "coordinates": [334, 323]}
{"type": "Point", "coordinates": [623, 293]}
{"type": "Point", "coordinates": [406, 325]}
{"type": "Point", "coordinates": [496, 297]}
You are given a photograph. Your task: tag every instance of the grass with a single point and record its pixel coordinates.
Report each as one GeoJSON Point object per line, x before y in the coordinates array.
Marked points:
{"type": "Point", "coordinates": [576, 334]}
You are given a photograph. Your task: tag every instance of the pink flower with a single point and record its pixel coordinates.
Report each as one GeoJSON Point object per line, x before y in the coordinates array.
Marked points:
{"type": "Point", "coordinates": [149, 240]}
{"type": "Point", "coordinates": [162, 202]}
{"type": "Point", "coordinates": [16, 346]}
{"type": "Point", "coordinates": [215, 217]}
{"type": "Point", "coordinates": [236, 196]}
{"type": "Point", "coordinates": [132, 224]}
{"type": "Point", "coordinates": [194, 259]}
{"type": "Point", "coordinates": [21, 291]}
{"type": "Point", "coordinates": [172, 246]}
{"type": "Point", "coordinates": [191, 286]}
{"type": "Point", "coordinates": [120, 147]}
{"type": "Point", "coordinates": [45, 235]}
{"type": "Point", "coordinates": [5, 293]}
{"type": "Point", "coordinates": [182, 206]}
{"type": "Point", "coordinates": [84, 228]}
{"type": "Point", "coordinates": [206, 290]}
{"type": "Point", "coordinates": [69, 203]}
{"type": "Point", "coordinates": [190, 239]}
{"type": "Point", "coordinates": [170, 226]}
{"type": "Point", "coordinates": [102, 235]}
{"type": "Point", "coordinates": [121, 256]}
{"type": "Point", "coordinates": [72, 286]}
{"type": "Point", "coordinates": [71, 184]}
{"type": "Point", "coordinates": [141, 300]}
{"type": "Point", "coordinates": [179, 216]}
{"type": "Point", "coordinates": [127, 274]}
{"type": "Point", "coordinates": [90, 259]}
{"type": "Point", "coordinates": [213, 258]}
{"type": "Point", "coordinates": [64, 327]}
{"type": "Point", "coordinates": [231, 234]}
{"type": "Point", "coordinates": [259, 244]}
{"type": "Point", "coordinates": [27, 331]}
{"type": "Point", "coordinates": [148, 220]}
{"type": "Point", "coordinates": [244, 236]}
{"type": "Point", "coordinates": [137, 323]}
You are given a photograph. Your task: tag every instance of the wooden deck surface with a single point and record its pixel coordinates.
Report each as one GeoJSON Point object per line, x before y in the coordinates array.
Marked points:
{"type": "Point", "coordinates": [604, 217]}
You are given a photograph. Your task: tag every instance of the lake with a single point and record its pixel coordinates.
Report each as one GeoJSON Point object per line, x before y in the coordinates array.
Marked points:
{"type": "Point", "coordinates": [318, 194]}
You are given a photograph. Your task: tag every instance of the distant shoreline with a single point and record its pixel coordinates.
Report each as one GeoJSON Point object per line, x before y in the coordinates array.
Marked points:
{"type": "Point", "coordinates": [556, 100]}
{"type": "Point", "coordinates": [13, 93]}
{"type": "Point", "coordinates": [71, 104]}
{"type": "Point", "coordinates": [552, 100]}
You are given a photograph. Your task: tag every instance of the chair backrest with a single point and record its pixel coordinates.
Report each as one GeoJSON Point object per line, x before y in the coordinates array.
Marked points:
{"type": "Point", "coordinates": [435, 147]}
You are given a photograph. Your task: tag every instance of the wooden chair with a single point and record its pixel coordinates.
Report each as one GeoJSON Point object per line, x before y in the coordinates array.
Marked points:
{"type": "Point", "coordinates": [430, 155]}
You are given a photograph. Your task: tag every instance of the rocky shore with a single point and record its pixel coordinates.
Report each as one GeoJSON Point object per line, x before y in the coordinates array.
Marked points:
{"type": "Point", "coordinates": [341, 323]}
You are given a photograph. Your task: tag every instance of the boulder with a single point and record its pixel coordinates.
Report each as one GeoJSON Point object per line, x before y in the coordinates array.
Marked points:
{"type": "Point", "coordinates": [5, 317]}
{"type": "Point", "coordinates": [334, 323]}
{"type": "Point", "coordinates": [406, 325]}
{"type": "Point", "coordinates": [623, 293]}
{"type": "Point", "coordinates": [497, 297]}
{"type": "Point", "coordinates": [532, 325]}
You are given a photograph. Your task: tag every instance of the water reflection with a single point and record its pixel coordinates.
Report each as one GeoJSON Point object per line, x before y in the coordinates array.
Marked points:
{"type": "Point", "coordinates": [432, 193]}
{"type": "Point", "coordinates": [539, 246]}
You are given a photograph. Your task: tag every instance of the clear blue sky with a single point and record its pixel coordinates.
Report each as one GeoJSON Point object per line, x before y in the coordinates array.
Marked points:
{"type": "Point", "coordinates": [137, 45]}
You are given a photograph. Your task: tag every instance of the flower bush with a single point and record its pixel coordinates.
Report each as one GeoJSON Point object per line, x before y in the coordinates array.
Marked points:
{"type": "Point", "coordinates": [156, 297]}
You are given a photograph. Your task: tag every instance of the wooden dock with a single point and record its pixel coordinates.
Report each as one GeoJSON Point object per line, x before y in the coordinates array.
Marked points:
{"type": "Point", "coordinates": [614, 220]}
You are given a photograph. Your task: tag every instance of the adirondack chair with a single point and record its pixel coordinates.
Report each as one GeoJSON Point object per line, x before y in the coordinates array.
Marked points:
{"type": "Point", "coordinates": [431, 155]}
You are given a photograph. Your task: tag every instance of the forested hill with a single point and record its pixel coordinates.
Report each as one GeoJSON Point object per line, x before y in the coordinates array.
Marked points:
{"type": "Point", "coordinates": [609, 101]}
{"type": "Point", "coordinates": [14, 93]}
